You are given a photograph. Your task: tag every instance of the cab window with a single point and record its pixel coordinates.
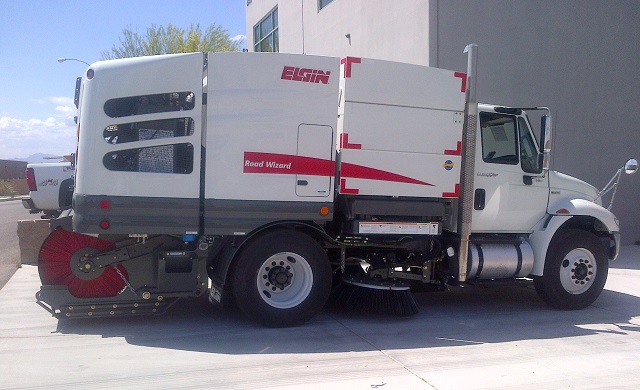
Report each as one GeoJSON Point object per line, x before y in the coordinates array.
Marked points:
{"type": "Point", "coordinates": [499, 140]}
{"type": "Point", "coordinates": [529, 156]}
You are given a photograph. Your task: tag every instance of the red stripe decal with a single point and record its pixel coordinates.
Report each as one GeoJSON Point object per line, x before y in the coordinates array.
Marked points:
{"type": "Point", "coordinates": [344, 142]}
{"type": "Point", "coordinates": [362, 172]}
{"type": "Point", "coordinates": [463, 76]}
{"type": "Point", "coordinates": [345, 190]}
{"type": "Point", "coordinates": [257, 162]}
{"type": "Point", "coordinates": [347, 61]}
{"type": "Point", "coordinates": [455, 194]}
{"type": "Point", "coordinates": [457, 152]}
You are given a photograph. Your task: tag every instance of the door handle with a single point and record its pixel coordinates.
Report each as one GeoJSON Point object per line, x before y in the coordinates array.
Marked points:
{"type": "Point", "coordinates": [302, 182]}
{"type": "Point", "coordinates": [527, 180]}
{"type": "Point", "coordinates": [479, 199]}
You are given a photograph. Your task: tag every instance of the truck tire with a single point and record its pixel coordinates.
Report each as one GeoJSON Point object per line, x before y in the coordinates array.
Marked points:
{"type": "Point", "coordinates": [281, 278]}
{"type": "Point", "coordinates": [575, 270]}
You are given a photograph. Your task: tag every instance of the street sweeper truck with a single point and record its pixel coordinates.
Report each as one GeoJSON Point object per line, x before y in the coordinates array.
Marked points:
{"type": "Point", "coordinates": [265, 180]}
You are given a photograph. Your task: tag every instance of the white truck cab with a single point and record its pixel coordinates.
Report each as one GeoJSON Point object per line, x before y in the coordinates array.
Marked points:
{"type": "Point", "coordinates": [561, 218]}
{"type": "Point", "coordinates": [511, 187]}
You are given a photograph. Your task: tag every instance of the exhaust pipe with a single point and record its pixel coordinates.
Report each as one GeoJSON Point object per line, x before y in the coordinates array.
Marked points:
{"type": "Point", "coordinates": [469, 131]}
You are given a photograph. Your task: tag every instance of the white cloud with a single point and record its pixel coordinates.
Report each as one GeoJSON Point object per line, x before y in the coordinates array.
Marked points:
{"type": "Point", "coordinates": [239, 38]}
{"type": "Point", "coordinates": [66, 110]}
{"type": "Point", "coordinates": [22, 138]}
{"type": "Point", "coordinates": [56, 134]}
{"type": "Point", "coordinates": [61, 100]}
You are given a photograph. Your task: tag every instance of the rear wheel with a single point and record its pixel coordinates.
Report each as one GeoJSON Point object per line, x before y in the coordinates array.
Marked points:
{"type": "Point", "coordinates": [281, 278]}
{"type": "Point", "coordinates": [575, 270]}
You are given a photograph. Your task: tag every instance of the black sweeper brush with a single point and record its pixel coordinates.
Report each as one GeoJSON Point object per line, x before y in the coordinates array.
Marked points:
{"type": "Point", "coordinates": [374, 296]}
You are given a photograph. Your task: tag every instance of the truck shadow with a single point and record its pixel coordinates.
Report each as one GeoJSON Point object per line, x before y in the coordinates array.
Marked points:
{"type": "Point", "coordinates": [462, 316]}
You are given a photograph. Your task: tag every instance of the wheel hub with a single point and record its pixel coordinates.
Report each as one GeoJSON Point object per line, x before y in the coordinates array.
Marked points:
{"type": "Point", "coordinates": [82, 267]}
{"type": "Point", "coordinates": [578, 271]}
{"type": "Point", "coordinates": [581, 271]}
{"type": "Point", "coordinates": [279, 277]}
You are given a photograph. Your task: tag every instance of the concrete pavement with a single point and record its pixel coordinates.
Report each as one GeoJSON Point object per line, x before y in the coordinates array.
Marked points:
{"type": "Point", "coordinates": [467, 338]}
{"type": "Point", "coordinates": [11, 211]}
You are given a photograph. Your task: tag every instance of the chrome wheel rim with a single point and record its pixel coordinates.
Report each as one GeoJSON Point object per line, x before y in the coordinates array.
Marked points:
{"type": "Point", "coordinates": [284, 280]}
{"type": "Point", "coordinates": [578, 271]}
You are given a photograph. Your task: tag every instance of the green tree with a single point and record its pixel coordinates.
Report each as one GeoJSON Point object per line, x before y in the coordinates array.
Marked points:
{"type": "Point", "coordinates": [171, 39]}
{"type": "Point", "coordinates": [6, 189]}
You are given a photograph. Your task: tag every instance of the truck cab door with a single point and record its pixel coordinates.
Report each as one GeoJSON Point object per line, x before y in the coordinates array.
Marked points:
{"type": "Point", "coordinates": [511, 190]}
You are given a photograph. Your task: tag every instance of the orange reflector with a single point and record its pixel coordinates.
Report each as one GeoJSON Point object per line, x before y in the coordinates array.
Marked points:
{"type": "Point", "coordinates": [324, 211]}
{"type": "Point", "coordinates": [563, 211]}
{"type": "Point", "coordinates": [104, 224]}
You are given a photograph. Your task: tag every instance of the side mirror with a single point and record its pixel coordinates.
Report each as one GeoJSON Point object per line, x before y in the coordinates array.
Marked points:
{"type": "Point", "coordinates": [546, 141]}
{"type": "Point", "coordinates": [76, 97]}
{"type": "Point", "coordinates": [631, 166]}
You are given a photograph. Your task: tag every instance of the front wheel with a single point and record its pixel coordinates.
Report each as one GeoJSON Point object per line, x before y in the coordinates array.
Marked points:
{"type": "Point", "coordinates": [281, 278]}
{"type": "Point", "coordinates": [575, 270]}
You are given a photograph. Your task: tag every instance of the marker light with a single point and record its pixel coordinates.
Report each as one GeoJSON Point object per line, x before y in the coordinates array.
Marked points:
{"type": "Point", "coordinates": [324, 211]}
{"type": "Point", "coordinates": [104, 224]}
{"type": "Point", "coordinates": [105, 205]}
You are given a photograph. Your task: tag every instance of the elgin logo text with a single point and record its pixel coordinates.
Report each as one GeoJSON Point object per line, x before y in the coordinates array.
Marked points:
{"type": "Point", "coordinates": [305, 75]}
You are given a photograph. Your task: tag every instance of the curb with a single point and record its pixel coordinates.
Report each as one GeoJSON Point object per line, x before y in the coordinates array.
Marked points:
{"type": "Point", "coordinates": [8, 198]}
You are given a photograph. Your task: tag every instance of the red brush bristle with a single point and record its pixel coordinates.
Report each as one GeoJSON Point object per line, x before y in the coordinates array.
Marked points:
{"type": "Point", "coordinates": [55, 269]}
{"type": "Point", "coordinates": [108, 284]}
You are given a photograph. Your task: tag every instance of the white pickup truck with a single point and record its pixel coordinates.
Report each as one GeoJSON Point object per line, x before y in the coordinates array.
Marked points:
{"type": "Point", "coordinates": [50, 188]}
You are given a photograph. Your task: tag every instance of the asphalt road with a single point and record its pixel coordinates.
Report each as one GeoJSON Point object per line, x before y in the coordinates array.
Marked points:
{"type": "Point", "coordinates": [466, 338]}
{"type": "Point", "coordinates": [11, 212]}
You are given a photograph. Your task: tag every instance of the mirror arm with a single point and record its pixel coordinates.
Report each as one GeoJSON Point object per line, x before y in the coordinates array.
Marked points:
{"type": "Point", "coordinates": [630, 167]}
{"type": "Point", "coordinates": [611, 185]}
{"type": "Point", "coordinates": [615, 189]}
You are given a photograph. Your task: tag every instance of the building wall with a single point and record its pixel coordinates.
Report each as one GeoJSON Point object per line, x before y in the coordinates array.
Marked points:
{"type": "Point", "coordinates": [578, 57]}
{"type": "Point", "coordinates": [10, 169]}
{"type": "Point", "coordinates": [372, 27]}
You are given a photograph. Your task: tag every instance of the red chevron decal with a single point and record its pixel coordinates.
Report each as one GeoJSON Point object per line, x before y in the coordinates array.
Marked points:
{"type": "Point", "coordinates": [362, 172]}
{"type": "Point", "coordinates": [274, 163]}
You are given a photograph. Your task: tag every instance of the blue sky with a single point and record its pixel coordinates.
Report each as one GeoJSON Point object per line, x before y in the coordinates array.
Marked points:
{"type": "Point", "coordinates": [36, 92]}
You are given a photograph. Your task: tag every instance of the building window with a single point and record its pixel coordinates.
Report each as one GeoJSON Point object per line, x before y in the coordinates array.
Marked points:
{"type": "Point", "coordinates": [265, 33]}
{"type": "Point", "coordinates": [323, 3]}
